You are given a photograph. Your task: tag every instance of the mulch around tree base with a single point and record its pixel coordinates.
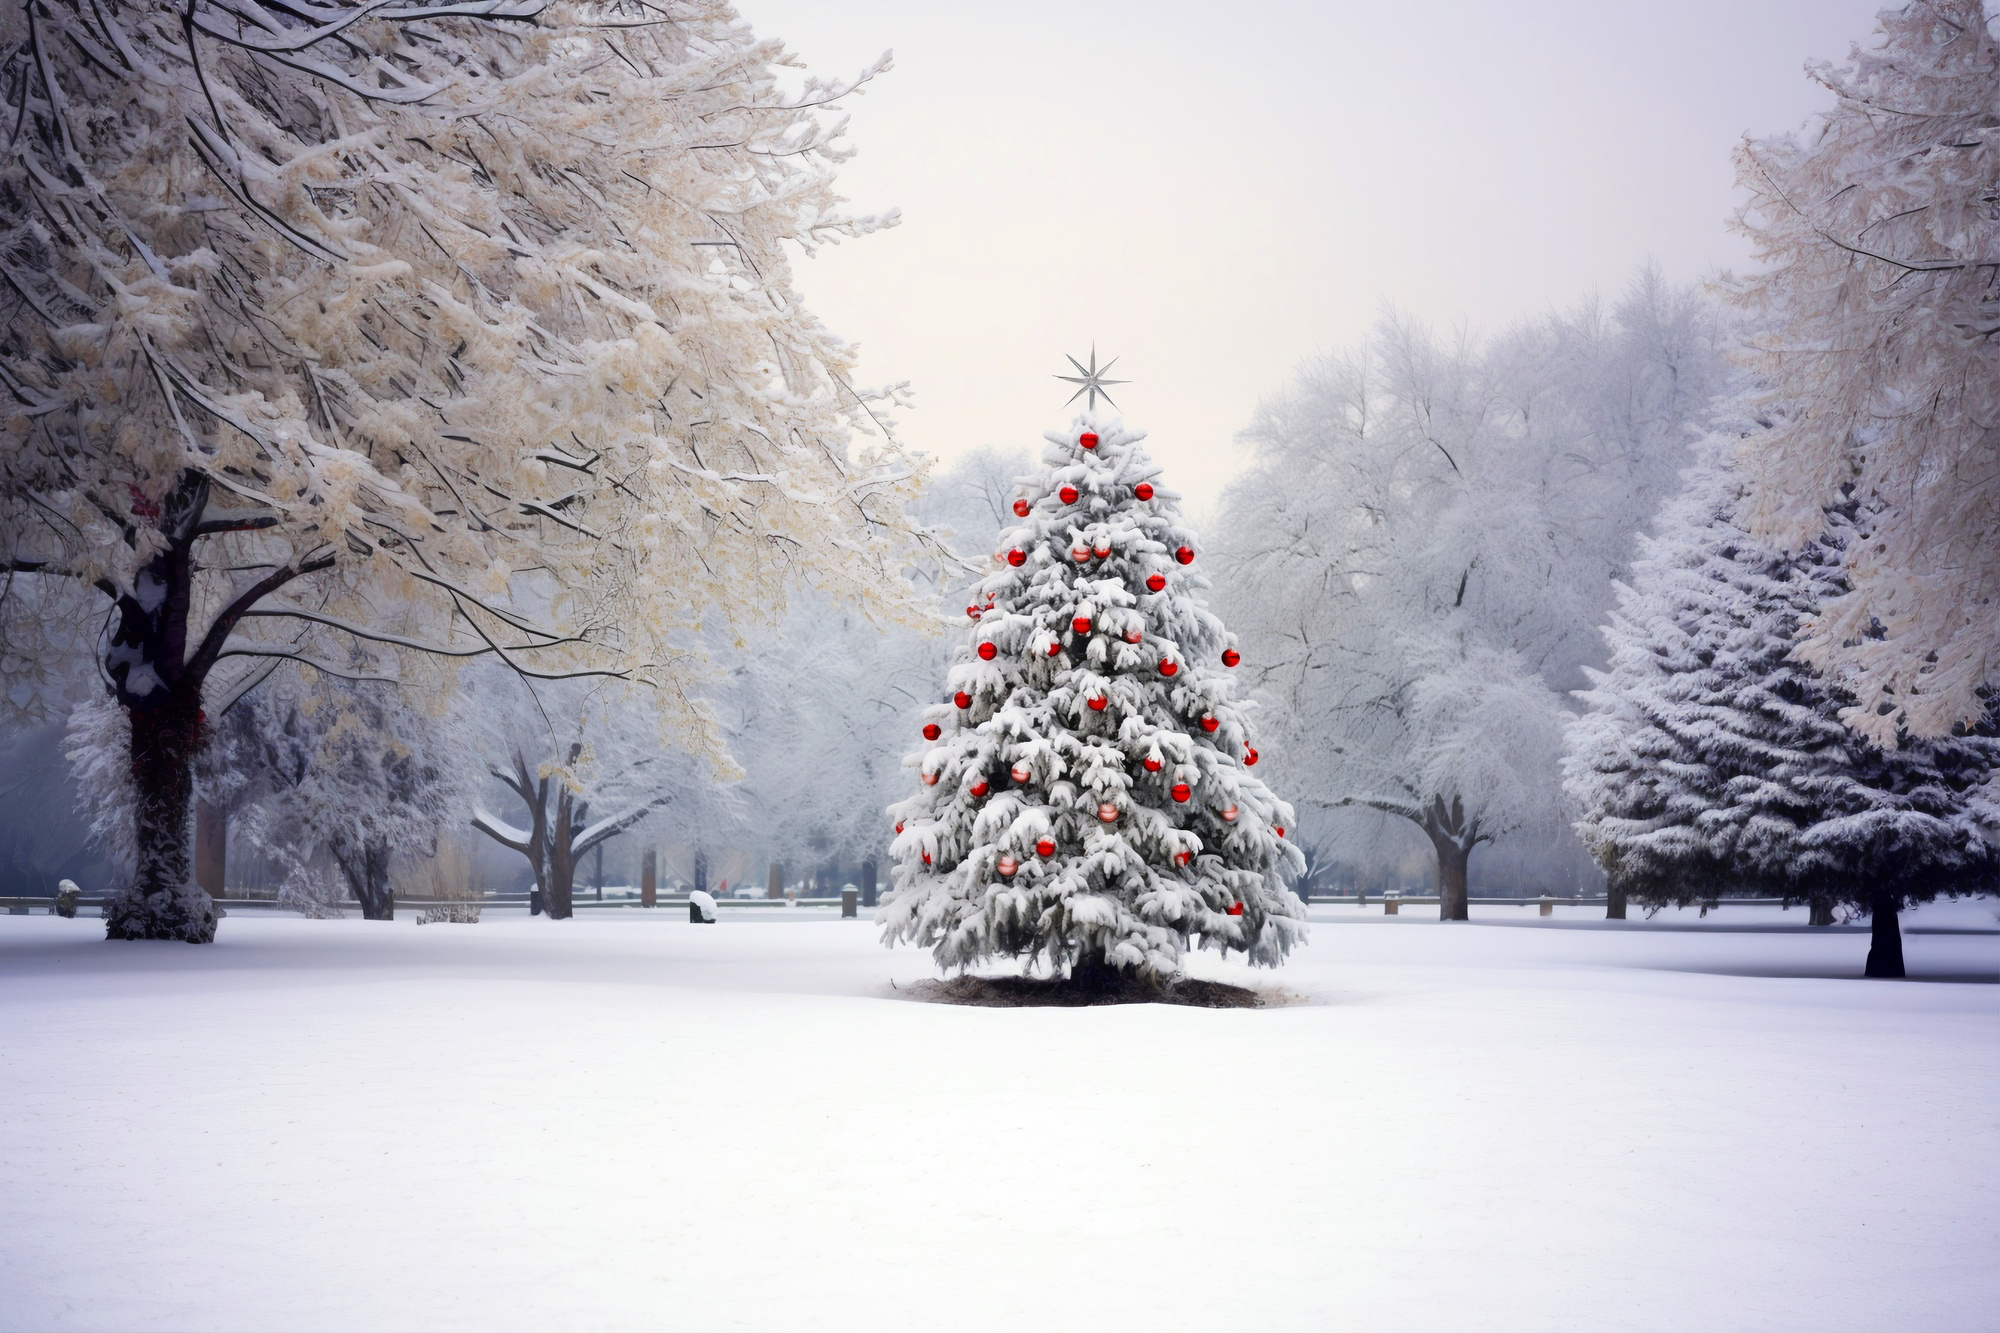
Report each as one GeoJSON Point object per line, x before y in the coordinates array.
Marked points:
{"type": "Point", "coordinates": [1061, 992]}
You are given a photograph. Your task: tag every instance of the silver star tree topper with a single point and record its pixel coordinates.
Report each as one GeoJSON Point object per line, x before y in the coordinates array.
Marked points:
{"type": "Point", "coordinates": [1092, 380]}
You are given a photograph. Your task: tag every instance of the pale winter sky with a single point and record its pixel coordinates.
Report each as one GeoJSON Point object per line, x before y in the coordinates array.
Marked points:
{"type": "Point", "coordinates": [1212, 192]}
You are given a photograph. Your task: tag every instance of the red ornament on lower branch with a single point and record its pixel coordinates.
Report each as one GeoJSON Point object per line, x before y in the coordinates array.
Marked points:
{"type": "Point", "coordinates": [1183, 858]}
{"type": "Point", "coordinates": [1007, 865]}
{"type": "Point", "coordinates": [1097, 703]}
{"type": "Point", "coordinates": [1020, 772]}
{"type": "Point", "coordinates": [1088, 439]}
{"type": "Point", "coordinates": [1250, 756]}
{"type": "Point", "coordinates": [1067, 495]}
{"type": "Point", "coordinates": [1236, 909]}
{"type": "Point", "coordinates": [1017, 557]}
{"type": "Point", "coordinates": [962, 699]}
{"type": "Point", "coordinates": [1151, 763]}
{"type": "Point", "coordinates": [1230, 657]}
{"type": "Point", "coordinates": [1185, 555]}
{"type": "Point", "coordinates": [987, 651]}
{"type": "Point", "coordinates": [1108, 812]}
{"type": "Point", "coordinates": [979, 788]}
{"type": "Point", "coordinates": [1080, 625]}
{"type": "Point", "coordinates": [1045, 847]}
{"type": "Point", "coordinates": [932, 731]}
{"type": "Point", "coordinates": [930, 779]}
{"type": "Point", "coordinates": [1168, 666]}
{"type": "Point", "coordinates": [1155, 582]}
{"type": "Point", "coordinates": [1181, 791]}
{"type": "Point", "coordinates": [1143, 491]}
{"type": "Point", "coordinates": [1020, 509]}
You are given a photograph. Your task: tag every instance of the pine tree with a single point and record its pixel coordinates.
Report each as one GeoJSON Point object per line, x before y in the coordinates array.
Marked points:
{"type": "Point", "coordinates": [1711, 758]}
{"type": "Point", "coordinates": [1086, 795]}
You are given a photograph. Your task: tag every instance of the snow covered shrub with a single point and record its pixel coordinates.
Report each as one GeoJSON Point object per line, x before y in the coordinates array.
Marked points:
{"type": "Point", "coordinates": [1086, 794]}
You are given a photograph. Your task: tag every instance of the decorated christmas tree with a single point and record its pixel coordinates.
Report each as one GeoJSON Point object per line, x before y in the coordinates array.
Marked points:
{"type": "Point", "coordinates": [1086, 794]}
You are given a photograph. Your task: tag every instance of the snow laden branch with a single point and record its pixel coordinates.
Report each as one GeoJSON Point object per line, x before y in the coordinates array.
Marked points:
{"type": "Point", "coordinates": [1880, 299]}
{"type": "Point", "coordinates": [411, 314]}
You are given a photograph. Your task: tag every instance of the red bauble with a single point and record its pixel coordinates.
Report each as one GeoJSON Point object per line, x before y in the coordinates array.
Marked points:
{"type": "Point", "coordinates": [1088, 439]}
{"type": "Point", "coordinates": [1020, 509]}
{"type": "Point", "coordinates": [1182, 858]}
{"type": "Point", "coordinates": [1054, 648]}
{"type": "Point", "coordinates": [1017, 557]}
{"type": "Point", "coordinates": [1229, 814]}
{"type": "Point", "coordinates": [979, 788]}
{"type": "Point", "coordinates": [1230, 657]}
{"type": "Point", "coordinates": [927, 858]}
{"type": "Point", "coordinates": [962, 699]}
{"type": "Point", "coordinates": [1151, 763]}
{"type": "Point", "coordinates": [1210, 722]}
{"type": "Point", "coordinates": [1280, 829]}
{"type": "Point", "coordinates": [1067, 495]}
{"type": "Point", "coordinates": [1097, 702]}
{"type": "Point", "coordinates": [1134, 635]}
{"type": "Point", "coordinates": [1079, 553]}
{"type": "Point", "coordinates": [1081, 624]}
{"type": "Point", "coordinates": [1045, 847]}
{"type": "Point", "coordinates": [1181, 791]}
{"type": "Point", "coordinates": [1007, 865]}
{"type": "Point", "coordinates": [1020, 772]}
{"type": "Point", "coordinates": [1185, 555]}
{"type": "Point", "coordinates": [1236, 909]}
{"type": "Point", "coordinates": [931, 731]}
{"type": "Point", "coordinates": [987, 652]}
{"type": "Point", "coordinates": [1102, 552]}
{"type": "Point", "coordinates": [930, 779]}
{"type": "Point", "coordinates": [899, 826]}
{"type": "Point", "coordinates": [1155, 582]}
{"type": "Point", "coordinates": [1168, 666]}
{"type": "Point", "coordinates": [1250, 755]}
{"type": "Point", "coordinates": [1144, 490]}
{"type": "Point", "coordinates": [1108, 813]}
{"type": "Point", "coordinates": [972, 611]}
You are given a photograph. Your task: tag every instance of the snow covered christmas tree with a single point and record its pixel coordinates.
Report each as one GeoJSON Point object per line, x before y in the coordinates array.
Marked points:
{"type": "Point", "coordinates": [1086, 794]}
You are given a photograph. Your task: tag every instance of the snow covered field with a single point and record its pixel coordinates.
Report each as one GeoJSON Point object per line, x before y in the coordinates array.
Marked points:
{"type": "Point", "coordinates": [630, 1122]}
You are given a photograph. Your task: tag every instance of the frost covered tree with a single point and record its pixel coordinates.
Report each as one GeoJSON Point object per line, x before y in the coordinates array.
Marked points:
{"type": "Point", "coordinates": [1709, 758]}
{"type": "Point", "coordinates": [1424, 546]}
{"type": "Point", "coordinates": [1878, 229]}
{"type": "Point", "coordinates": [1086, 794]}
{"type": "Point", "coordinates": [351, 772]}
{"type": "Point", "coordinates": [351, 334]}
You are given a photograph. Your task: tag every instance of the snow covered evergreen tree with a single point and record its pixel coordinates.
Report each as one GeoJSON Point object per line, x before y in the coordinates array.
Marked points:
{"type": "Point", "coordinates": [1086, 794]}
{"type": "Point", "coordinates": [1710, 758]}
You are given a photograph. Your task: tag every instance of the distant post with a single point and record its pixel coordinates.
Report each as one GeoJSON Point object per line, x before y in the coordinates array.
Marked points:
{"type": "Point", "coordinates": [847, 897]}
{"type": "Point", "coordinates": [774, 887]}
{"type": "Point", "coordinates": [649, 878]}
{"type": "Point", "coordinates": [868, 882]}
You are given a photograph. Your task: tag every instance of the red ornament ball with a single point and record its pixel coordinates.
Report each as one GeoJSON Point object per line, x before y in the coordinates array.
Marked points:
{"type": "Point", "coordinates": [1067, 495]}
{"type": "Point", "coordinates": [1102, 552]}
{"type": "Point", "coordinates": [899, 826]}
{"type": "Point", "coordinates": [1144, 490]}
{"type": "Point", "coordinates": [1181, 791]}
{"type": "Point", "coordinates": [1279, 829]}
{"type": "Point", "coordinates": [972, 611]}
{"type": "Point", "coordinates": [1045, 847]}
{"type": "Point", "coordinates": [1182, 858]}
{"type": "Point", "coordinates": [931, 731]}
{"type": "Point", "coordinates": [1079, 553]}
{"type": "Point", "coordinates": [1020, 772]}
{"type": "Point", "coordinates": [1108, 813]}
{"type": "Point", "coordinates": [1229, 814]}
{"type": "Point", "coordinates": [1151, 763]}
{"type": "Point", "coordinates": [1081, 624]}
{"type": "Point", "coordinates": [1007, 865]}
{"type": "Point", "coordinates": [1230, 657]}
{"type": "Point", "coordinates": [1168, 666]}
{"type": "Point", "coordinates": [930, 779]}
{"type": "Point", "coordinates": [1185, 555]}
{"type": "Point", "coordinates": [962, 699]}
{"type": "Point", "coordinates": [987, 652]}
{"type": "Point", "coordinates": [1097, 703]}
{"type": "Point", "coordinates": [1250, 755]}
{"type": "Point", "coordinates": [1155, 582]}
{"type": "Point", "coordinates": [1134, 635]}
{"type": "Point", "coordinates": [1236, 909]}
{"type": "Point", "coordinates": [1210, 722]}
{"type": "Point", "coordinates": [1054, 648]}
{"type": "Point", "coordinates": [927, 858]}
{"type": "Point", "coordinates": [1017, 557]}
{"type": "Point", "coordinates": [979, 788]}
{"type": "Point", "coordinates": [1020, 509]}
{"type": "Point", "coordinates": [1088, 439]}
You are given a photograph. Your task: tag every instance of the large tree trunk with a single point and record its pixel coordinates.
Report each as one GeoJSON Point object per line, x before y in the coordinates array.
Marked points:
{"type": "Point", "coordinates": [559, 890]}
{"type": "Point", "coordinates": [1885, 938]}
{"type": "Point", "coordinates": [211, 846]}
{"type": "Point", "coordinates": [1820, 909]}
{"type": "Point", "coordinates": [366, 870]}
{"type": "Point", "coordinates": [163, 902]}
{"type": "Point", "coordinates": [1614, 898]}
{"type": "Point", "coordinates": [1452, 865]}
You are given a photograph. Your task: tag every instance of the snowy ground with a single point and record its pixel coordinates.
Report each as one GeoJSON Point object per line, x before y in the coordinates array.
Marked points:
{"type": "Point", "coordinates": [631, 1122]}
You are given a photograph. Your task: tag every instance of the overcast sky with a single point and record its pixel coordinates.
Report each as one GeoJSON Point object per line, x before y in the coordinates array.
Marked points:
{"type": "Point", "coordinates": [1213, 192]}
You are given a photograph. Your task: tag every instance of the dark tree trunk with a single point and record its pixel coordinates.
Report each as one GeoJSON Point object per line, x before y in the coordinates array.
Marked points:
{"type": "Point", "coordinates": [1885, 937]}
{"type": "Point", "coordinates": [1614, 899]}
{"type": "Point", "coordinates": [1820, 907]}
{"type": "Point", "coordinates": [559, 889]}
{"type": "Point", "coordinates": [163, 902]}
{"type": "Point", "coordinates": [211, 846]}
{"type": "Point", "coordinates": [366, 870]}
{"type": "Point", "coordinates": [1452, 866]}
{"type": "Point", "coordinates": [869, 885]}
